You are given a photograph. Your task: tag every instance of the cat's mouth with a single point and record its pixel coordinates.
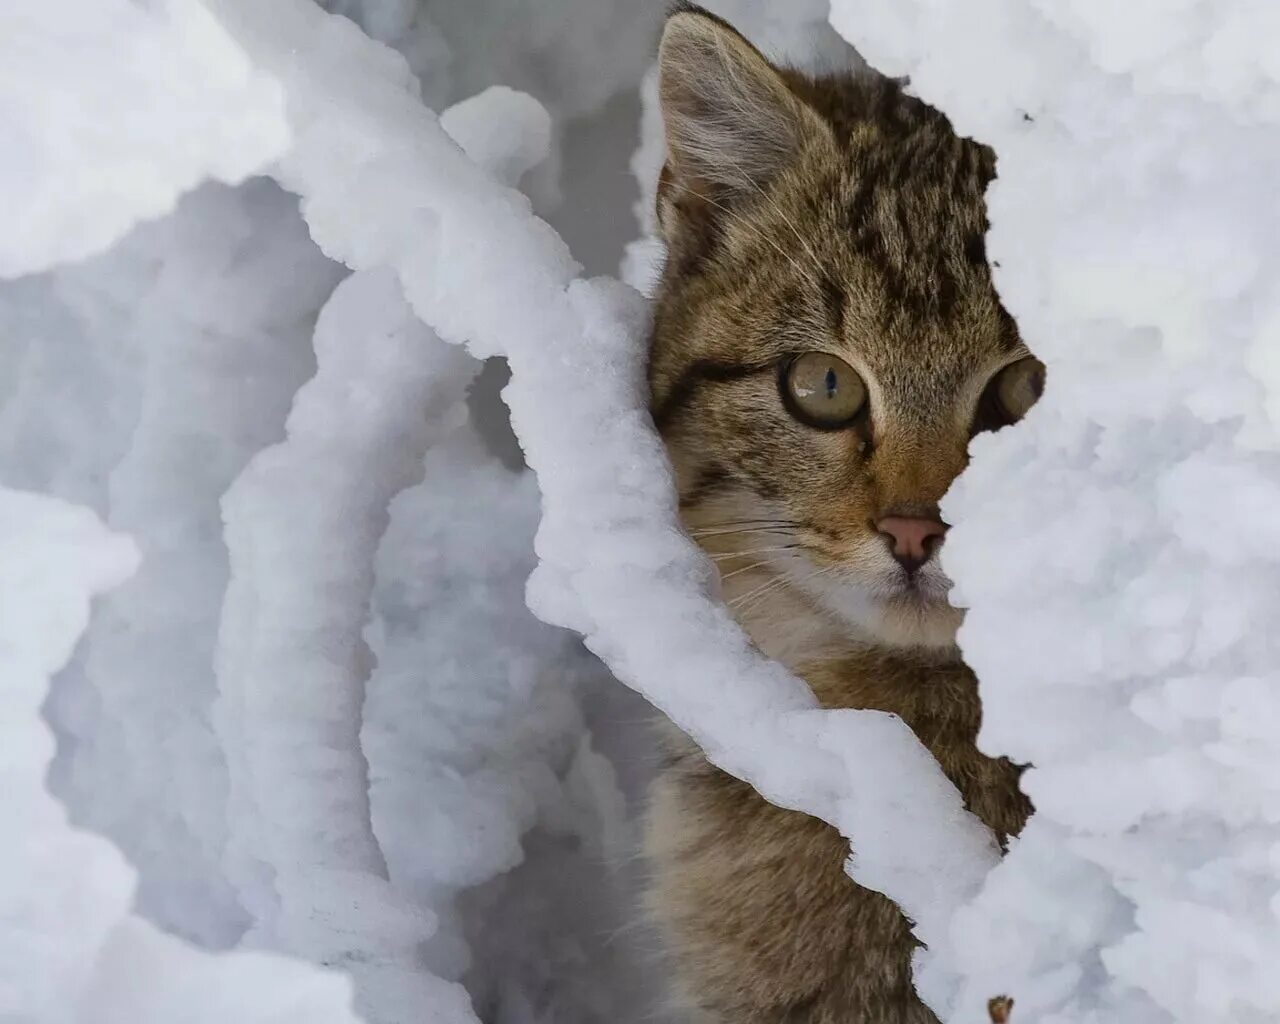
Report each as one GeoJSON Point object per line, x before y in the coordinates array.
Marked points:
{"type": "Point", "coordinates": [886, 601]}
{"type": "Point", "coordinates": [922, 592]}
{"type": "Point", "coordinates": [924, 585]}
{"type": "Point", "coordinates": [851, 581]}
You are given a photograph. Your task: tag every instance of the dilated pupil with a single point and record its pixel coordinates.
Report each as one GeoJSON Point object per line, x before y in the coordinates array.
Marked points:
{"type": "Point", "coordinates": [831, 382]}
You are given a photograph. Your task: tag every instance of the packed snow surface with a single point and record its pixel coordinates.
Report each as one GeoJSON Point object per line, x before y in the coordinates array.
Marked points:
{"type": "Point", "coordinates": [310, 707]}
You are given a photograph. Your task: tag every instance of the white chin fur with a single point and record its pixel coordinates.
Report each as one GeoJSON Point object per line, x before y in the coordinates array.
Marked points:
{"type": "Point", "coordinates": [889, 612]}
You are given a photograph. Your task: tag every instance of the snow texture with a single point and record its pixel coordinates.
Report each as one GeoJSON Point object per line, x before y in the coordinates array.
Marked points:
{"type": "Point", "coordinates": [1117, 550]}
{"type": "Point", "coordinates": [92, 98]}
{"type": "Point", "coordinates": [72, 951]}
{"type": "Point", "coordinates": [318, 720]}
{"type": "Point", "coordinates": [496, 753]}
{"type": "Point", "coordinates": [209, 722]}
{"type": "Point", "coordinates": [291, 661]}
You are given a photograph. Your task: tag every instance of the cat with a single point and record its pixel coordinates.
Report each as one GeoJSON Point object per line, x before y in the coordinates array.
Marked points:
{"type": "Point", "coordinates": [827, 340]}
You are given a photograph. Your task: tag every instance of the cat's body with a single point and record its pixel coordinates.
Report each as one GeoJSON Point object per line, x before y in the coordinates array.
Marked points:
{"type": "Point", "coordinates": [827, 339]}
{"type": "Point", "coordinates": [765, 925]}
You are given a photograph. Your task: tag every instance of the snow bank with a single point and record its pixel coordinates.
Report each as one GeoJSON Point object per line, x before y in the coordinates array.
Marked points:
{"type": "Point", "coordinates": [92, 97]}
{"type": "Point", "coordinates": [302, 524]}
{"type": "Point", "coordinates": [142, 382]}
{"type": "Point", "coordinates": [69, 949]}
{"type": "Point", "coordinates": [481, 758]}
{"type": "Point", "coordinates": [383, 186]}
{"type": "Point", "coordinates": [1117, 549]}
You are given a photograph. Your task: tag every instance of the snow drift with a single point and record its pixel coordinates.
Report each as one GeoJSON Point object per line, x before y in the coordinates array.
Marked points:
{"type": "Point", "coordinates": [318, 720]}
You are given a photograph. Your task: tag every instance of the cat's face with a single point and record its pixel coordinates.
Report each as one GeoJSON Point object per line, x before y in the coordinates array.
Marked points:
{"type": "Point", "coordinates": [827, 337]}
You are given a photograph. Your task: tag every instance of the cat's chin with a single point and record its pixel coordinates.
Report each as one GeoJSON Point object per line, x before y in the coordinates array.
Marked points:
{"type": "Point", "coordinates": [897, 614]}
{"type": "Point", "coordinates": [913, 621]}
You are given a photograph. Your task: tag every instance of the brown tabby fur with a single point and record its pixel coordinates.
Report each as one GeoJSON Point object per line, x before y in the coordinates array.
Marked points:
{"type": "Point", "coordinates": [851, 223]}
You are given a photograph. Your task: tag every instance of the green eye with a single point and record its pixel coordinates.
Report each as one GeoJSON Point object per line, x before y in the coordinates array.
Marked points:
{"type": "Point", "coordinates": [1019, 387]}
{"type": "Point", "coordinates": [823, 391]}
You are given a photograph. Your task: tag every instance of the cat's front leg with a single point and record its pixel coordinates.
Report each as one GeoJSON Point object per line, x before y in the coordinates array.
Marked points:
{"type": "Point", "coordinates": [762, 924]}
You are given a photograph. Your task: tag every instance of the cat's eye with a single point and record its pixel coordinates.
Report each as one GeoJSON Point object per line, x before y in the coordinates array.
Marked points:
{"type": "Point", "coordinates": [1019, 387]}
{"type": "Point", "coordinates": [823, 391]}
{"type": "Point", "coordinates": [1009, 395]}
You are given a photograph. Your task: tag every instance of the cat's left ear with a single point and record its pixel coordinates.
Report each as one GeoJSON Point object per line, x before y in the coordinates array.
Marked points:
{"type": "Point", "coordinates": [732, 122]}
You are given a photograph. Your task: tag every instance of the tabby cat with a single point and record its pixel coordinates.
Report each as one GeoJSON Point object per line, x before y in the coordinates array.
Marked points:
{"type": "Point", "coordinates": [827, 341]}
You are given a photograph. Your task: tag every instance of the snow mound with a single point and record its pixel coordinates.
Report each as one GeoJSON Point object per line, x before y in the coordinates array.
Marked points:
{"type": "Point", "coordinates": [72, 952]}
{"type": "Point", "coordinates": [92, 98]}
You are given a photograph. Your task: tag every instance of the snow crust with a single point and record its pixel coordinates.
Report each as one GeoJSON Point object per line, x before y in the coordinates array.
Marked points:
{"type": "Point", "coordinates": [72, 951]}
{"type": "Point", "coordinates": [1116, 549]}
{"type": "Point", "coordinates": [92, 98]}
{"type": "Point", "coordinates": [210, 720]}
{"type": "Point", "coordinates": [315, 716]}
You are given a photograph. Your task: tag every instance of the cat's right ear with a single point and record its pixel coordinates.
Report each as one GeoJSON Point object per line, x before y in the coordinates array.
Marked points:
{"type": "Point", "coordinates": [732, 122]}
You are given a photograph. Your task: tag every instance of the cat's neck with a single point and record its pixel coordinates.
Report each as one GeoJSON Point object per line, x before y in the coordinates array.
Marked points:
{"type": "Point", "coordinates": [927, 686]}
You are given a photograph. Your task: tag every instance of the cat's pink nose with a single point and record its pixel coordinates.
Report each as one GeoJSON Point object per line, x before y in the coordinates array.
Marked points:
{"type": "Point", "coordinates": [912, 539]}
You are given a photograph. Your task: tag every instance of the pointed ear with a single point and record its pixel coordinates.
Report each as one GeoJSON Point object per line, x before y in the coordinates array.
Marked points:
{"type": "Point", "coordinates": [732, 122]}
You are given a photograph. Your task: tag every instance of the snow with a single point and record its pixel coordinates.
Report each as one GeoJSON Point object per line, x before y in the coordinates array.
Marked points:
{"type": "Point", "coordinates": [149, 380]}
{"type": "Point", "coordinates": [1117, 549]}
{"type": "Point", "coordinates": [310, 720]}
{"type": "Point", "coordinates": [54, 558]}
{"type": "Point", "coordinates": [159, 71]}
{"type": "Point", "coordinates": [496, 753]}
{"type": "Point", "coordinates": [71, 949]}
{"type": "Point", "coordinates": [302, 522]}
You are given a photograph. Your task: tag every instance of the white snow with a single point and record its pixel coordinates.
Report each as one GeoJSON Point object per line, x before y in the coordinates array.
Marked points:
{"type": "Point", "coordinates": [145, 381]}
{"type": "Point", "coordinates": [109, 110]}
{"type": "Point", "coordinates": [318, 719]}
{"type": "Point", "coordinates": [70, 951]}
{"type": "Point", "coordinates": [302, 522]}
{"type": "Point", "coordinates": [478, 728]}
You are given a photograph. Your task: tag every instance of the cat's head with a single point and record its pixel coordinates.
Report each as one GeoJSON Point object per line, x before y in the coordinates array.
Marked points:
{"type": "Point", "coordinates": [827, 336]}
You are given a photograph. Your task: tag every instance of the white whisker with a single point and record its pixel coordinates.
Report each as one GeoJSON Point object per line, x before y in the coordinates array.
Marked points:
{"type": "Point", "coordinates": [723, 555]}
{"type": "Point", "coordinates": [739, 572]}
